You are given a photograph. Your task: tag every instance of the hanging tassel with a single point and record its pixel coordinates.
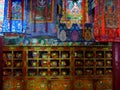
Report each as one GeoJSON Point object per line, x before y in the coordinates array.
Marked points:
{"type": "Point", "coordinates": [86, 12]}
{"type": "Point", "coordinates": [35, 16]}
{"type": "Point", "coordinates": [96, 34]}
{"type": "Point", "coordinates": [46, 25]}
{"type": "Point", "coordinates": [65, 9]}
{"type": "Point", "coordinates": [22, 13]}
{"type": "Point", "coordinates": [84, 16]}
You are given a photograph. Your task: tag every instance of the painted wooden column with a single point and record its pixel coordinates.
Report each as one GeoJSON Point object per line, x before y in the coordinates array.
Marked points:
{"type": "Point", "coordinates": [1, 46]}
{"type": "Point", "coordinates": [116, 66]}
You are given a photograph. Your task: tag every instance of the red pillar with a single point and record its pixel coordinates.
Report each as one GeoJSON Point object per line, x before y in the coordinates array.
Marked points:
{"type": "Point", "coordinates": [1, 46]}
{"type": "Point", "coordinates": [116, 66]}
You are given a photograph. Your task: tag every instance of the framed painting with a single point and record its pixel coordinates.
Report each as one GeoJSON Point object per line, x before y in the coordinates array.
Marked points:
{"type": "Point", "coordinates": [41, 11]}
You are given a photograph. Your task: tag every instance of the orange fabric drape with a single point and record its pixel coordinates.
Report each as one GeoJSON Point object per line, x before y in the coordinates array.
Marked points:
{"type": "Point", "coordinates": [103, 21]}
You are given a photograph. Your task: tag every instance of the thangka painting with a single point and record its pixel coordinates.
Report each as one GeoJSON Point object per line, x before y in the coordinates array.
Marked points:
{"type": "Point", "coordinates": [41, 10]}
{"type": "Point", "coordinates": [111, 14]}
{"type": "Point", "coordinates": [15, 9]}
{"type": "Point", "coordinates": [107, 21]}
{"type": "Point", "coordinates": [73, 11]}
{"type": "Point", "coordinates": [14, 17]}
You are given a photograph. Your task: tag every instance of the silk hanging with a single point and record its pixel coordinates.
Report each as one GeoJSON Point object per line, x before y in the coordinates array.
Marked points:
{"type": "Point", "coordinates": [107, 21]}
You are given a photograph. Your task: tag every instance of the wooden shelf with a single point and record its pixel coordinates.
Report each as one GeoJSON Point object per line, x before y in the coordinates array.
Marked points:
{"type": "Point", "coordinates": [84, 63]}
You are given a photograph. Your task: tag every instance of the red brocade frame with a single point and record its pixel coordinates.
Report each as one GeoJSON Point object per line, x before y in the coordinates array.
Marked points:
{"type": "Point", "coordinates": [107, 21]}
{"type": "Point", "coordinates": [69, 21]}
{"type": "Point", "coordinates": [41, 11]}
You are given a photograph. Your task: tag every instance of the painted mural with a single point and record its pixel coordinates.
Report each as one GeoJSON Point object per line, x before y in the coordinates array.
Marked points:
{"type": "Point", "coordinates": [39, 23]}
{"type": "Point", "coordinates": [18, 18]}
{"type": "Point", "coordinates": [41, 18]}
{"type": "Point", "coordinates": [21, 17]}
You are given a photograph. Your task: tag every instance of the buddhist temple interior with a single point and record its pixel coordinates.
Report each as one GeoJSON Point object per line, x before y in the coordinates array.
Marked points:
{"type": "Point", "coordinates": [59, 44]}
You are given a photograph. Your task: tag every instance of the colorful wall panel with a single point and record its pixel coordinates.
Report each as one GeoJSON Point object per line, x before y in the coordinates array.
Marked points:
{"type": "Point", "coordinates": [13, 83]}
{"type": "Point", "coordinates": [37, 84]}
{"type": "Point", "coordinates": [83, 84]}
{"type": "Point", "coordinates": [75, 33]}
{"type": "Point", "coordinates": [105, 84]}
{"type": "Point", "coordinates": [60, 85]}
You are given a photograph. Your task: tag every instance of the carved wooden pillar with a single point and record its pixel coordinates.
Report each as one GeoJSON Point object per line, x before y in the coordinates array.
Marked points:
{"type": "Point", "coordinates": [116, 66]}
{"type": "Point", "coordinates": [1, 46]}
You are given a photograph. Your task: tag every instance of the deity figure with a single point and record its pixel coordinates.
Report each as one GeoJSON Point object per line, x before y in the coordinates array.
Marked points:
{"type": "Point", "coordinates": [75, 9]}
